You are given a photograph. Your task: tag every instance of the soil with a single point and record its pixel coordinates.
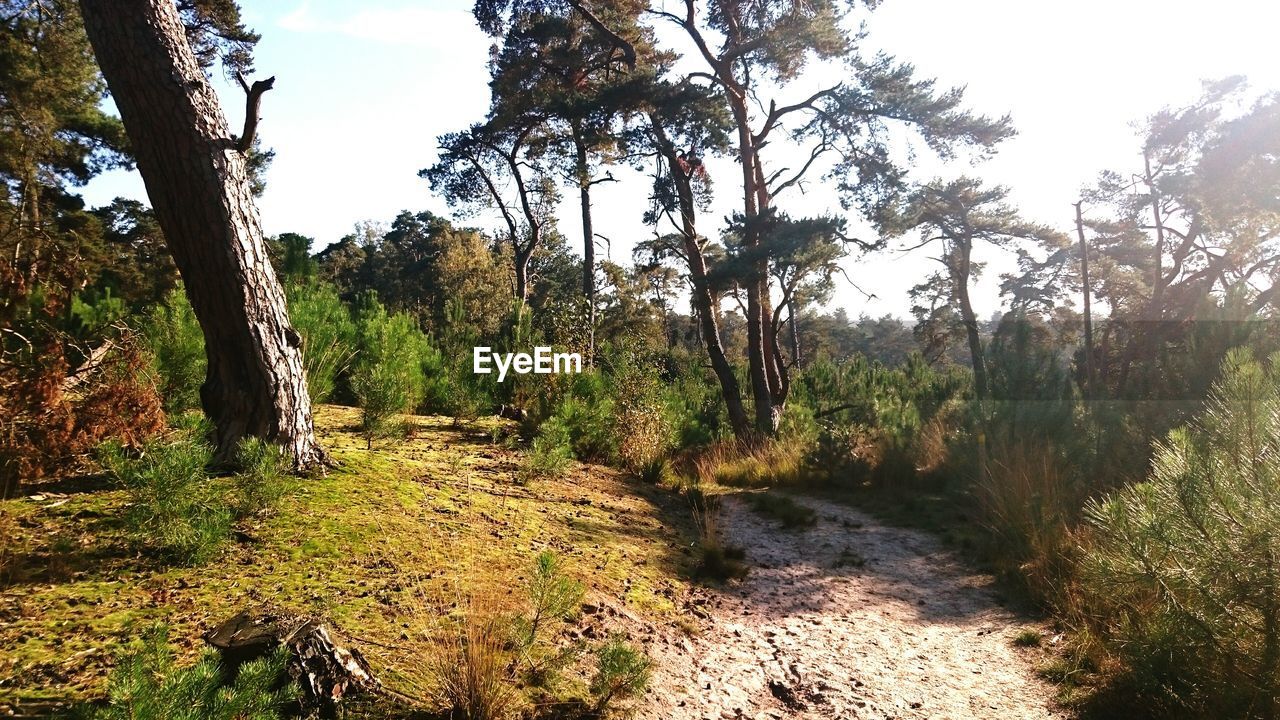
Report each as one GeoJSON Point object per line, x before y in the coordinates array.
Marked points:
{"type": "Point", "coordinates": [849, 618]}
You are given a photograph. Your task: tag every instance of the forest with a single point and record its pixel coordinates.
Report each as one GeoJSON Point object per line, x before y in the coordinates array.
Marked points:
{"type": "Point", "coordinates": [253, 476]}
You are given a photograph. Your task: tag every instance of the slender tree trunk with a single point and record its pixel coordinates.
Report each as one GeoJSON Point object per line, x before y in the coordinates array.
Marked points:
{"type": "Point", "coordinates": [196, 180]}
{"type": "Point", "coordinates": [970, 320]}
{"type": "Point", "coordinates": [1088, 314]}
{"type": "Point", "coordinates": [583, 169]}
{"type": "Point", "coordinates": [704, 301]}
{"type": "Point", "coordinates": [758, 355]}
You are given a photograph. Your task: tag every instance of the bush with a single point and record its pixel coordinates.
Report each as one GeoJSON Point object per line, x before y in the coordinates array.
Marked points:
{"type": "Point", "coordinates": [553, 595]}
{"type": "Point", "coordinates": [174, 506]}
{"type": "Point", "coordinates": [622, 672]}
{"type": "Point", "coordinates": [1183, 569]}
{"type": "Point", "coordinates": [262, 476]}
{"type": "Point", "coordinates": [328, 336]}
{"type": "Point", "coordinates": [550, 453]}
{"type": "Point", "coordinates": [388, 378]}
{"type": "Point", "coordinates": [147, 684]}
{"type": "Point", "coordinates": [176, 341]}
{"type": "Point", "coordinates": [640, 426]}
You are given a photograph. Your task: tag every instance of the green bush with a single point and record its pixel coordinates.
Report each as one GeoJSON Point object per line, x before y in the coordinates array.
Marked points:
{"type": "Point", "coordinates": [622, 672]}
{"type": "Point", "coordinates": [550, 453]}
{"type": "Point", "coordinates": [262, 476]}
{"type": "Point", "coordinates": [147, 684]}
{"type": "Point", "coordinates": [328, 335]}
{"type": "Point", "coordinates": [176, 342]}
{"type": "Point", "coordinates": [389, 377]}
{"type": "Point", "coordinates": [1183, 573]}
{"type": "Point", "coordinates": [174, 506]}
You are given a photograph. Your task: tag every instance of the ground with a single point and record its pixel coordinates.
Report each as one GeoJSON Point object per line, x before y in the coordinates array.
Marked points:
{"type": "Point", "coordinates": [846, 618]}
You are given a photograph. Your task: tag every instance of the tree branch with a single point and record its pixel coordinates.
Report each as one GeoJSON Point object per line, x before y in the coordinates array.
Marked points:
{"type": "Point", "coordinates": [252, 102]}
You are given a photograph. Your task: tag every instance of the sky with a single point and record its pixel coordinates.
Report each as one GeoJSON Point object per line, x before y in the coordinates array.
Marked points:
{"type": "Point", "coordinates": [364, 88]}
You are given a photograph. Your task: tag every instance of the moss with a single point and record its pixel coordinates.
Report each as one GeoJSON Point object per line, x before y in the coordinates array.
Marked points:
{"type": "Point", "coordinates": [368, 545]}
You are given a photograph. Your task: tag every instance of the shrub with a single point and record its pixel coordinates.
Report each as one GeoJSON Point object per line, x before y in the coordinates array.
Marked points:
{"type": "Point", "coordinates": [622, 672]}
{"type": "Point", "coordinates": [147, 684]}
{"type": "Point", "coordinates": [550, 453]}
{"type": "Point", "coordinates": [388, 378]}
{"type": "Point", "coordinates": [1183, 568]}
{"type": "Point", "coordinates": [640, 426]}
{"type": "Point", "coordinates": [328, 336]}
{"type": "Point", "coordinates": [262, 476]}
{"type": "Point", "coordinates": [553, 595]}
{"type": "Point", "coordinates": [176, 342]}
{"type": "Point", "coordinates": [174, 505]}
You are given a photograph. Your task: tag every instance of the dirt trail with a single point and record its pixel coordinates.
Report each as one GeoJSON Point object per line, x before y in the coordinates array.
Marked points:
{"type": "Point", "coordinates": [847, 619]}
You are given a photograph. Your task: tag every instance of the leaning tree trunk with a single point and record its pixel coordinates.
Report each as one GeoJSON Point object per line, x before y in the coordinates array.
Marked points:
{"type": "Point", "coordinates": [197, 182]}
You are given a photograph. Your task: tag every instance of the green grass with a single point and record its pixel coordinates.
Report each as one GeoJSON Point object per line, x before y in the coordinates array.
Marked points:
{"type": "Point", "coordinates": [367, 546]}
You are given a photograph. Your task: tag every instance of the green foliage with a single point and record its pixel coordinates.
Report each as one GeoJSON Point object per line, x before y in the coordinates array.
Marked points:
{"type": "Point", "coordinates": [147, 684]}
{"type": "Point", "coordinates": [553, 595]}
{"type": "Point", "coordinates": [174, 506]}
{"type": "Point", "coordinates": [328, 335]}
{"type": "Point", "coordinates": [640, 423]}
{"type": "Point", "coordinates": [1184, 563]}
{"type": "Point", "coordinates": [388, 377]}
{"type": "Point", "coordinates": [176, 342]}
{"type": "Point", "coordinates": [550, 452]}
{"type": "Point", "coordinates": [262, 476]}
{"type": "Point", "coordinates": [622, 672]}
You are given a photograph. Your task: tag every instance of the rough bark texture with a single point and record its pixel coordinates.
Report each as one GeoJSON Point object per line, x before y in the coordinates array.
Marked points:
{"type": "Point", "coordinates": [326, 672]}
{"type": "Point", "coordinates": [197, 182]}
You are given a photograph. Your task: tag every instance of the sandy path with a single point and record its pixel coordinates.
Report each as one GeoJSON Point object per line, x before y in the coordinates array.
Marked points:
{"type": "Point", "coordinates": [847, 619]}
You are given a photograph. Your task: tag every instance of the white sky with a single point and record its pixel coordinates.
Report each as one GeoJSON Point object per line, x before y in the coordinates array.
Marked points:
{"type": "Point", "coordinates": [363, 89]}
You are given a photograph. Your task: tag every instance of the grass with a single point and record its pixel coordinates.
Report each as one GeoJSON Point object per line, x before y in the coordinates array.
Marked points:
{"type": "Point", "coordinates": [361, 546]}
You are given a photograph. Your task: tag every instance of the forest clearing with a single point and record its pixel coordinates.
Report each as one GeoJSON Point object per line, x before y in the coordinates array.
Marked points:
{"type": "Point", "coordinates": [851, 618]}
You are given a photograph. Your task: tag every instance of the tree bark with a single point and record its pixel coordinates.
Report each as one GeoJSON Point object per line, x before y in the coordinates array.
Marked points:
{"type": "Point", "coordinates": [583, 169]}
{"type": "Point", "coordinates": [1088, 310]}
{"type": "Point", "coordinates": [197, 182]}
{"type": "Point", "coordinates": [703, 300]}
{"type": "Point", "coordinates": [970, 320]}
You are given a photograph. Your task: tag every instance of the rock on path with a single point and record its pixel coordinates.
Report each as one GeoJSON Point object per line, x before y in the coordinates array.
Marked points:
{"type": "Point", "coordinates": [847, 619]}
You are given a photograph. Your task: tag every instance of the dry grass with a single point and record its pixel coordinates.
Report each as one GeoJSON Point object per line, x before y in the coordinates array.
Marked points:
{"type": "Point", "coordinates": [735, 463]}
{"type": "Point", "coordinates": [1028, 504]}
{"type": "Point", "coordinates": [470, 660]}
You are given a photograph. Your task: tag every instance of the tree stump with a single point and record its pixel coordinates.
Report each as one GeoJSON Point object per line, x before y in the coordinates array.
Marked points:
{"type": "Point", "coordinates": [325, 671]}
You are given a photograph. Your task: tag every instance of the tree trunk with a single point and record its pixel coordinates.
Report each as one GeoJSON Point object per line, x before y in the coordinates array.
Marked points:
{"type": "Point", "coordinates": [1089, 370]}
{"type": "Point", "coordinates": [970, 320]}
{"type": "Point", "coordinates": [197, 182]}
{"type": "Point", "coordinates": [703, 301]}
{"type": "Point", "coordinates": [759, 357]}
{"type": "Point", "coordinates": [583, 169]}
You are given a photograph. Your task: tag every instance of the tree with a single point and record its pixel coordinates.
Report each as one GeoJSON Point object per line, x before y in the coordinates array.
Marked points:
{"type": "Point", "coordinates": [766, 45]}
{"type": "Point", "coordinates": [492, 165]}
{"type": "Point", "coordinates": [198, 183]}
{"type": "Point", "coordinates": [1199, 217]}
{"type": "Point", "coordinates": [956, 215]}
{"type": "Point", "coordinates": [559, 66]}
{"type": "Point", "coordinates": [683, 115]}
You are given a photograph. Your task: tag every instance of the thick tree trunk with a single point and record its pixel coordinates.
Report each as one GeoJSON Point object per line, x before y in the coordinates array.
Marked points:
{"type": "Point", "coordinates": [196, 180]}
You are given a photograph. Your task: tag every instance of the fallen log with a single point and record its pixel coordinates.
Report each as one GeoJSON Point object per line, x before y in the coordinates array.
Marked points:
{"type": "Point", "coordinates": [326, 672]}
